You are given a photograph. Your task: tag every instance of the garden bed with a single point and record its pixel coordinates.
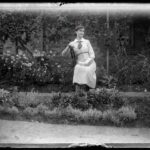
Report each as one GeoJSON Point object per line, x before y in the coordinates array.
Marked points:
{"type": "Point", "coordinates": [98, 108]}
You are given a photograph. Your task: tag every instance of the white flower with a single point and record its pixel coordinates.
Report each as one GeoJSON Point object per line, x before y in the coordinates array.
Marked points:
{"type": "Point", "coordinates": [24, 56]}
{"type": "Point", "coordinates": [29, 64]}
{"type": "Point", "coordinates": [12, 57]}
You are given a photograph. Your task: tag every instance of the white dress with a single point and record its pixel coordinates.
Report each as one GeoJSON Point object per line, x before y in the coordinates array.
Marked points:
{"type": "Point", "coordinates": [84, 72]}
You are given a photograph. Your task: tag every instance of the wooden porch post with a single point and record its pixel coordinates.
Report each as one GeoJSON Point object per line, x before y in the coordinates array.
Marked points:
{"type": "Point", "coordinates": [42, 33]}
{"type": "Point", "coordinates": [107, 22]}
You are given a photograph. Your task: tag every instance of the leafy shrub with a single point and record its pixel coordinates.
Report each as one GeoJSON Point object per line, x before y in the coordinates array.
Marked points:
{"type": "Point", "coordinates": [121, 116]}
{"type": "Point", "coordinates": [132, 70]}
{"type": "Point", "coordinates": [21, 70]}
{"type": "Point", "coordinates": [110, 116]}
{"type": "Point", "coordinates": [117, 100]}
{"type": "Point", "coordinates": [92, 116]}
{"type": "Point", "coordinates": [76, 101]}
{"type": "Point", "coordinates": [32, 99]}
{"type": "Point", "coordinates": [20, 100]}
{"type": "Point", "coordinates": [80, 102]}
{"type": "Point", "coordinates": [1, 108]}
{"type": "Point", "coordinates": [72, 108]}
{"type": "Point", "coordinates": [87, 116]}
{"type": "Point", "coordinates": [4, 96]}
{"type": "Point", "coordinates": [45, 100]}
{"type": "Point", "coordinates": [99, 100]}
{"type": "Point", "coordinates": [107, 81]}
{"type": "Point", "coordinates": [126, 114]}
{"type": "Point", "coordinates": [23, 100]}
{"type": "Point", "coordinates": [29, 111]}
{"type": "Point", "coordinates": [64, 101]}
{"type": "Point", "coordinates": [55, 100]}
{"type": "Point", "coordinates": [72, 113]}
{"type": "Point", "coordinates": [104, 99]}
{"type": "Point", "coordinates": [42, 108]}
{"type": "Point", "coordinates": [55, 113]}
{"type": "Point", "coordinates": [14, 110]}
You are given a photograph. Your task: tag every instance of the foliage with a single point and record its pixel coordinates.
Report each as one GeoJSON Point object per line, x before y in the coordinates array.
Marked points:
{"type": "Point", "coordinates": [76, 101]}
{"type": "Point", "coordinates": [29, 111]}
{"type": "Point", "coordinates": [114, 109]}
{"type": "Point", "coordinates": [4, 96]}
{"type": "Point", "coordinates": [100, 100]}
{"type": "Point", "coordinates": [111, 116]}
{"type": "Point", "coordinates": [122, 116]}
{"type": "Point", "coordinates": [107, 81]}
{"type": "Point", "coordinates": [21, 70]}
{"type": "Point", "coordinates": [91, 116]}
{"type": "Point", "coordinates": [104, 99]}
{"type": "Point", "coordinates": [134, 70]}
{"type": "Point", "coordinates": [22, 100]}
{"type": "Point", "coordinates": [126, 114]}
{"type": "Point", "coordinates": [51, 114]}
{"type": "Point", "coordinates": [41, 108]}
{"type": "Point", "coordinates": [13, 111]}
{"type": "Point", "coordinates": [51, 33]}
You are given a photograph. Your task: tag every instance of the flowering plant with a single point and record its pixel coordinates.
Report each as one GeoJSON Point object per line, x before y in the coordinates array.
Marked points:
{"type": "Point", "coordinates": [3, 95]}
{"type": "Point", "coordinates": [21, 70]}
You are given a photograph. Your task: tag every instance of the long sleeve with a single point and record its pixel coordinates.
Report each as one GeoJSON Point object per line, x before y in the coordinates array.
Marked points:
{"type": "Point", "coordinates": [66, 51]}
{"type": "Point", "coordinates": [91, 51]}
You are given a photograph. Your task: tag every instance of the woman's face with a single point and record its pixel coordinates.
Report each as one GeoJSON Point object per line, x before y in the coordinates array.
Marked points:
{"type": "Point", "coordinates": [80, 33]}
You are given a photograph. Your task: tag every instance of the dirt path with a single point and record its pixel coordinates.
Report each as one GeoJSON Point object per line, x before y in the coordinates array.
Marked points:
{"type": "Point", "coordinates": [34, 132]}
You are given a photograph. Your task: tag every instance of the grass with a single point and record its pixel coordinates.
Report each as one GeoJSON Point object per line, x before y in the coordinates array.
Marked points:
{"type": "Point", "coordinates": [120, 117]}
{"type": "Point", "coordinates": [90, 116]}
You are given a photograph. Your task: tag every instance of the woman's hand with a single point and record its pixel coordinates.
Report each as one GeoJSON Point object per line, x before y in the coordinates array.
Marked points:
{"type": "Point", "coordinates": [86, 63]}
{"type": "Point", "coordinates": [62, 53]}
{"type": "Point", "coordinates": [89, 62]}
{"type": "Point", "coordinates": [65, 50]}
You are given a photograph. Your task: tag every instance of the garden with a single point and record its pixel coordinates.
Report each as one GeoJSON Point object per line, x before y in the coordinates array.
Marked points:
{"type": "Point", "coordinates": [36, 82]}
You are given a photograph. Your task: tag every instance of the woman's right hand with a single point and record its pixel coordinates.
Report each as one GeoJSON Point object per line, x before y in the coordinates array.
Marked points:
{"type": "Point", "coordinates": [62, 53]}
{"type": "Point", "coordinates": [65, 50]}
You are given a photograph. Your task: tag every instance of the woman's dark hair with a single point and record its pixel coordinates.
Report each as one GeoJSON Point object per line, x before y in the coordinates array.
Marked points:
{"type": "Point", "coordinates": [79, 27]}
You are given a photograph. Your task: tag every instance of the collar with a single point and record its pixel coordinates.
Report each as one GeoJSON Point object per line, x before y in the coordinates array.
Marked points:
{"type": "Point", "coordinates": [76, 40]}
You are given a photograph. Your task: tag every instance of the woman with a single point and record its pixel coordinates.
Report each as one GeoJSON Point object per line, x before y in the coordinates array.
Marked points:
{"type": "Point", "coordinates": [84, 72]}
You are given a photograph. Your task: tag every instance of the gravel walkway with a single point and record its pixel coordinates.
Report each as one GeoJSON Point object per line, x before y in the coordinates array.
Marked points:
{"type": "Point", "coordinates": [21, 132]}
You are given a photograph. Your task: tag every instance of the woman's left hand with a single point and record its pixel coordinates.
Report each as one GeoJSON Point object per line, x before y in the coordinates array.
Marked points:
{"type": "Point", "coordinates": [89, 62]}
{"type": "Point", "coordinates": [86, 63]}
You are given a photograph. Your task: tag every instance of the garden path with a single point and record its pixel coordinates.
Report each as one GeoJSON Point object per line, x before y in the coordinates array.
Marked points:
{"type": "Point", "coordinates": [23, 132]}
